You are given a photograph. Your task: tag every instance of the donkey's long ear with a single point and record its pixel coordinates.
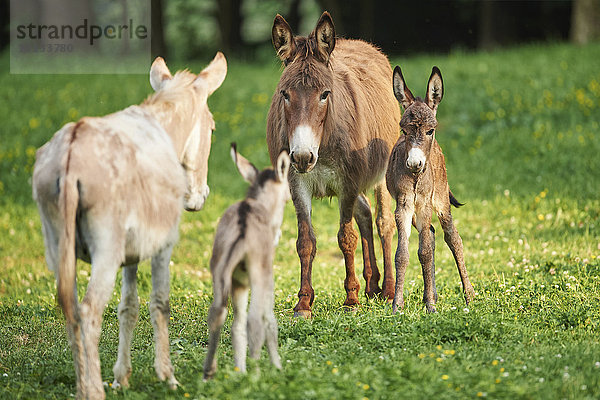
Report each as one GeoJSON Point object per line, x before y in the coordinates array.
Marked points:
{"type": "Point", "coordinates": [325, 35]}
{"type": "Point", "coordinates": [247, 170]}
{"type": "Point", "coordinates": [214, 74]}
{"type": "Point", "coordinates": [435, 89]}
{"type": "Point", "coordinates": [283, 39]}
{"type": "Point", "coordinates": [402, 93]}
{"type": "Point", "coordinates": [159, 74]}
{"type": "Point", "coordinates": [283, 166]}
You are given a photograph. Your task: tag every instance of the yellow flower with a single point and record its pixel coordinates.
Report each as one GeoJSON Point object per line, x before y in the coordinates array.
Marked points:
{"type": "Point", "coordinates": [236, 369]}
{"type": "Point", "coordinates": [540, 217]}
{"type": "Point", "coordinates": [495, 362]}
{"type": "Point", "coordinates": [445, 377]}
{"type": "Point", "coordinates": [498, 380]}
{"type": "Point", "coordinates": [421, 356]}
{"type": "Point", "coordinates": [334, 370]}
{"type": "Point", "coordinates": [439, 359]}
{"type": "Point", "coordinates": [366, 386]}
{"type": "Point", "coordinates": [186, 395]}
{"type": "Point", "coordinates": [439, 347]}
{"type": "Point", "coordinates": [502, 369]}
{"type": "Point", "coordinates": [328, 362]}
{"type": "Point", "coordinates": [34, 123]}
{"type": "Point", "coordinates": [479, 394]}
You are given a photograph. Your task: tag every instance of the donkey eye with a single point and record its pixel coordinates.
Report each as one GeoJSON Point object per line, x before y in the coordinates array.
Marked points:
{"type": "Point", "coordinates": [324, 95]}
{"type": "Point", "coordinates": [430, 132]}
{"type": "Point", "coordinates": [285, 95]}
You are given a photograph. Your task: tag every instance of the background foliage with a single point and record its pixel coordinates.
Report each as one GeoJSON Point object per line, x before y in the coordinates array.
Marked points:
{"type": "Point", "coordinates": [519, 131]}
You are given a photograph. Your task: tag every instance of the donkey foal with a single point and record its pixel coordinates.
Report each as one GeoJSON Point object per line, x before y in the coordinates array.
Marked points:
{"type": "Point", "coordinates": [416, 178]}
{"type": "Point", "coordinates": [242, 259]}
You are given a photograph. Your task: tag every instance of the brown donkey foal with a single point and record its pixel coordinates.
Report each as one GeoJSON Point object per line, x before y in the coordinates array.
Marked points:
{"type": "Point", "coordinates": [416, 178]}
{"type": "Point", "coordinates": [242, 259]}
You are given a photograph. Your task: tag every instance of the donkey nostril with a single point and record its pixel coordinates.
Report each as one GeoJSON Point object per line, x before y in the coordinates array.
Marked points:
{"type": "Point", "coordinates": [312, 158]}
{"type": "Point", "coordinates": [292, 159]}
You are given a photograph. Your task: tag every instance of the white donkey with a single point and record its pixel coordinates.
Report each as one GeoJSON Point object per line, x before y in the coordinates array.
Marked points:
{"type": "Point", "coordinates": [242, 259]}
{"type": "Point", "coordinates": [110, 191]}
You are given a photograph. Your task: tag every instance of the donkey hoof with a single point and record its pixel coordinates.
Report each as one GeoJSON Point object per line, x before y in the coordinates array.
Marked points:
{"type": "Point", "coordinates": [118, 385]}
{"type": "Point", "coordinates": [306, 314]}
{"type": "Point", "coordinates": [469, 295]}
{"type": "Point", "coordinates": [373, 292]}
{"type": "Point", "coordinates": [173, 383]}
{"type": "Point", "coordinates": [431, 309]}
{"type": "Point", "coordinates": [351, 308]}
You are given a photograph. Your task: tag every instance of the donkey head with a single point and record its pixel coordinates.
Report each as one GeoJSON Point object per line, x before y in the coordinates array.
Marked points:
{"type": "Point", "coordinates": [418, 121]}
{"type": "Point", "coordinates": [270, 186]}
{"type": "Point", "coordinates": [188, 120]}
{"type": "Point", "coordinates": [305, 87]}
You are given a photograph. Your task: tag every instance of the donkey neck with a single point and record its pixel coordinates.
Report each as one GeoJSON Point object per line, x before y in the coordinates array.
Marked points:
{"type": "Point", "coordinates": [177, 120]}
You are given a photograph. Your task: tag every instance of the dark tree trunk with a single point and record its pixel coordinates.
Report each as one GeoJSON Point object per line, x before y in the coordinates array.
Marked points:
{"type": "Point", "coordinates": [585, 21]}
{"type": "Point", "coordinates": [229, 15]}
{"type": "Point", "coordinates": [486, 38]}
{"type": "Point", "coordinates": [293, 16]}
{"type": "Point", "coordinates": [158, 32]}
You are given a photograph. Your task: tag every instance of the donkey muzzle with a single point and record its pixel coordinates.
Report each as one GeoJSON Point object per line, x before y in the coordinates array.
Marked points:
{"type": "Point", "coordinates": [303, 161]}
{"type": "Point", "coordinates": [415, 162]}
{"type": "Point", "coordinates": [194, 200]}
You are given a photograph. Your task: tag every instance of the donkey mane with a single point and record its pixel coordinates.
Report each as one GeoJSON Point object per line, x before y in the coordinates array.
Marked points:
{"type": "Point", "coordinates": [176, 105]}
{"type": "Point", "coordinates": [418, 114]}
{"type": "Point", "coordinates": [306, 69]}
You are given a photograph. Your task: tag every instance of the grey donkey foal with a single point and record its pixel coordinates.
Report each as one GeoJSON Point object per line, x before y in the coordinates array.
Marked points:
{"type": "Point", "coordinates": [242, 259]}
{"type": "Point", "coordinates": [416, 178]}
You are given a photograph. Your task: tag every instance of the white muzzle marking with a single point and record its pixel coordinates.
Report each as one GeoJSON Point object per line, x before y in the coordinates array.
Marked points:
{"type": "Point", "coordinates": [416, 159]}
{"type": "Point", "coordinates": [304, 142]}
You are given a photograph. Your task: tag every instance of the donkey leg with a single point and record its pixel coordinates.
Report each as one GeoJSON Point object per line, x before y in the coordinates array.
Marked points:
{"type": "Point", "coordinates": [239, 338]}
{"type": "Point", "coordinates": [160, 314]}
{"type": "Point", "coordinates": [271, 331]}
{"type": "Point", "coordinates": [99, 291]}
{"type": "Point", "coordinates": [216, 318]}
{"type": "Point", "coordinates": [76, 342]}
{"type": "Point", "coordinates": [306, 246]}
{"type": "Point", "coordinates": [364, 219]}
{"type": "Point", "coordinates": [348, 241]}
{"type": "Point", "coordinates": [385, 228]}
{"type": "Point", "coordinates": [426, 256]}
{"type": "Point", "coordinates": [454, 242]}
{"type": "Point", "coordinates": [256, 312]}
{"type": "Point", "coordinates": [128, 314]}
{"type": "Point", "coordinates": [403, 216]}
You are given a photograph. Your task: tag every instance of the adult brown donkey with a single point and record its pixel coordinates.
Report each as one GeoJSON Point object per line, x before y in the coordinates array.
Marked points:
{"type": "Point", "coordinates": [334, 111]}
{"type": "Point", "coordinates": [416, 178]}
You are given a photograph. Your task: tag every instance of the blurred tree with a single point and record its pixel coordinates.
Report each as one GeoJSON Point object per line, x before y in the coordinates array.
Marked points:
{"type": "Point", "coordinates": [229, 16]}
{"type": "Point", "coordinates": [585, 21]}
{"type": "Point", "coordinates": [4, 25]}
{"type": "Point", "coordinates": [158, 32]}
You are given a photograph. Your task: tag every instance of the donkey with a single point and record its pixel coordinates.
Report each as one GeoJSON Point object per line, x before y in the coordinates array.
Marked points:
{"type": "Point", "coordinates": [239, 262]}
{"type": "Point", "coordinates": [335, 112]}
{"type": "Point", "coordinates": [110, 191]}
{"type": "Point", "coordinates": [416, 178]}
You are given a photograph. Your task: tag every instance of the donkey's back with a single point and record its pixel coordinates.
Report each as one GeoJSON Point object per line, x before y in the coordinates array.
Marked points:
{"type": "Point", "coordinates": [120, 163]}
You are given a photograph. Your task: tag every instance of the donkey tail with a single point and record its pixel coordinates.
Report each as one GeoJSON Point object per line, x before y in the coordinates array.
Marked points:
{"type": "Point", "coordinates": [453, 200]}
{"type": "Point", "coordinates": [68, 201]}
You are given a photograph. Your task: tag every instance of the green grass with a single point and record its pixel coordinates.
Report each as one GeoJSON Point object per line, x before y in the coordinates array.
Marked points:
{"type": "Point", "coordinates": [519, 130]}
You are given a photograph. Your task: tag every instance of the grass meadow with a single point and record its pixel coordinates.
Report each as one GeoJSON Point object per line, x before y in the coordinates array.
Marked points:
{"type": "Point", "coordinates": [519, 128]}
